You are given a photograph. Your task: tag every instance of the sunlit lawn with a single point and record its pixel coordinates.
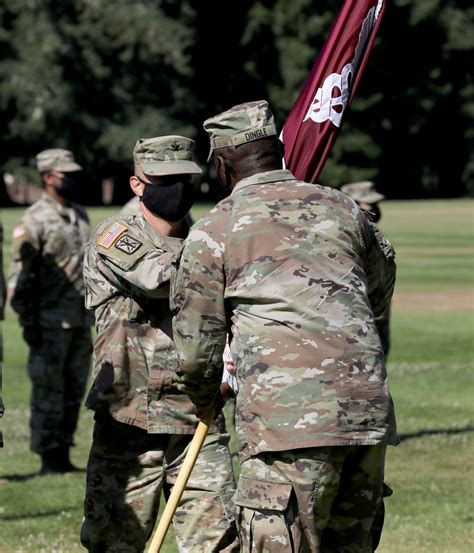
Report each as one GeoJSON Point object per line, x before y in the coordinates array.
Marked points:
{"type": "Point", "coordinates": [431, 371]}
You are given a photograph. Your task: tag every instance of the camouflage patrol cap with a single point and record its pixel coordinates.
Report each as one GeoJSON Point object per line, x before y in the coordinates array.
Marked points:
{"type": "Point", "coordinates": [57, 159]}
{"type": "Point", "coordinates": [165, 155]}
{"type": "Point", "coordinates": [240, 124]}
{"type": "Point", "coordinates": [363, 192]}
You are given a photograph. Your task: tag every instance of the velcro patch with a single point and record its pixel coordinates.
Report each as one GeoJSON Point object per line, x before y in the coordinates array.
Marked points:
{"type": "Point", "coordinates": [128, 244]}
{"type": "Point", "coordinates": [111, 234]}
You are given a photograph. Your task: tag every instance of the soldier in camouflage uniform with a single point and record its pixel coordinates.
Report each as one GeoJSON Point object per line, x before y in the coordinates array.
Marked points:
{"type": "Point", "coordinates": [47, 292]}
{"type": "Point", "coordinates": [143, 423]}
{"type": "Point", "coordinates": [295, 274]}
{"type": "Point", "coordinates": [367, 198]}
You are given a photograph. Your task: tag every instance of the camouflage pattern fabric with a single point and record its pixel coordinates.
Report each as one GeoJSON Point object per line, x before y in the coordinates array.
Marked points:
{"type": "Point", "coordinates": [319, 500]}
{"type": "Point", "coordinates": [127, 269]}
{"type": "Point", "coordinates": [297, 272]}
{"type": "Point", "coordinates": [363, 192]}
{"type": "Point", "coordinates": [383, 321]}
{"type": "Point", "coordinates": [124, 486]}
{"type": "Point", "coordinates": [47, 292]}
{"type": "Point", "coordinates": [46, 268]}
{"type": "Point", "coordinates": [58, 370]}
{"type": "Point", "coordinates": [239, 125]}
{"type": "Point", "coordinates": [57, 159]}
{"type": "Point", "coordinates": [166, 155]}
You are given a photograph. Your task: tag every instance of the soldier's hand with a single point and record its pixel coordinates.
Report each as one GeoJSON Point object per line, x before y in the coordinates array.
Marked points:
{"type": "Point", "coordinates": [32, 336]}
{"type": "Point", "coordinates": [226, 391]}
{"type": "Point", "coordinates": [206, 415]}
{"type": "Point", "coordinates": [230, 367]}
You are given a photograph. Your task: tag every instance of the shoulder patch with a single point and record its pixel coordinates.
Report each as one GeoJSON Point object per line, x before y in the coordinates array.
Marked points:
{"type": "Point", "coordinates": [128, 244]}
{"type": "Point", "coordinates": [111, 234]}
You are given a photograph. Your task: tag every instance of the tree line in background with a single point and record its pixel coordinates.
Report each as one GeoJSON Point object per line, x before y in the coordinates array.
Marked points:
{"type": "Point", "coordinates": [93, 76]}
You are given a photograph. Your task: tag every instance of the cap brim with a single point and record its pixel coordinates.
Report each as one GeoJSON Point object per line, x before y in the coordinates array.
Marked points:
{"type": "Point", "coordinates": [67, 167]}
{"type": "Point", "coordinates": [159, 168]}
{"type": "Point", "coordinates": [372, 198]}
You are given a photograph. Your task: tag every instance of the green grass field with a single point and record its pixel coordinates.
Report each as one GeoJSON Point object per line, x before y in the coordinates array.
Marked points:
{"type": "Point", "coordinates": [431, 370]}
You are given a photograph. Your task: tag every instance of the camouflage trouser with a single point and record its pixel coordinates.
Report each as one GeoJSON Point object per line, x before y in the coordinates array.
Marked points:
{"type": "Point", "coordinates": [126, 472]}
{"type": "Point", "coordinates": [321, 500]}
{"type": "Point", "coordinates": [58, 371]}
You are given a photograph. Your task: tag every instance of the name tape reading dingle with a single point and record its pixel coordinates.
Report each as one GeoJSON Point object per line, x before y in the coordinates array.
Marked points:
{"type": "Point", "coordinates": [254, 135]}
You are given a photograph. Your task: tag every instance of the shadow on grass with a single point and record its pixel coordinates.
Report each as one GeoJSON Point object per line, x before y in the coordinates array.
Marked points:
{"type": "Point", "coordinates": [436, 432]}
{"type": "Point", "coordinates": [24, 477]}
{"type": "Point", "coordinates": [18, 477]}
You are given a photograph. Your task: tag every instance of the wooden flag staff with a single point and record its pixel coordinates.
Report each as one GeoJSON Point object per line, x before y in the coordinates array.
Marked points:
{"type": "Point", "coordinates": [181, 481]}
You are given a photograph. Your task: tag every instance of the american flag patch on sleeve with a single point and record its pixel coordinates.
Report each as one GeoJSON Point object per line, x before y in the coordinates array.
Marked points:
{"type": "Point", "coordinates": [111, 234]}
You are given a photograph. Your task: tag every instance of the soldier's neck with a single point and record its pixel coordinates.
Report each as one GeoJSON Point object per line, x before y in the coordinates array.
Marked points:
{"type": "Point", "coordinates": [161, 226]}
{"type": "Point", "coordinates": [51, 191]}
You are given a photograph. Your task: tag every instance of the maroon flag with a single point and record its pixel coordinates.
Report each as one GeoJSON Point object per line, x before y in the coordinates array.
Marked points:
{"type": "Point", "coordinates": [314, 121]}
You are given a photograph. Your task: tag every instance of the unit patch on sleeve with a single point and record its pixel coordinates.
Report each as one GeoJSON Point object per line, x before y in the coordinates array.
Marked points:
{"type": "Point", "coordinates": [111, 235]}
{"type": "Point", "coordinates": [128, 244]}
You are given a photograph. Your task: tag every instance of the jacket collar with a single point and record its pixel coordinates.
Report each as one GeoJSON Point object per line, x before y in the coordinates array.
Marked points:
{"type": "Point", "coordinates": [266, 177]}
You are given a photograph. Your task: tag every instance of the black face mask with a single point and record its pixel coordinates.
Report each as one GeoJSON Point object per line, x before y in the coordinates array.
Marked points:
{"type": "Point", "coordinates": [170, 202]}
{"type": "Point", "coordinates": [375, 213]}
{"type": "Point", "coordinates": [69, 188]}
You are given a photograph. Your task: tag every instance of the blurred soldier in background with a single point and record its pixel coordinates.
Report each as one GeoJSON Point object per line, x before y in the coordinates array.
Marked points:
{"type": "Point", "coordinates": [367, 198]}
{"type": "Point", "coordinates": [295, 273]}
{"type": "Point", "coordinates": [143, 424]}
{"type": "Point", "coordinates": [47, 291]}
{"type": "Point", "coordinates": [3, 295]}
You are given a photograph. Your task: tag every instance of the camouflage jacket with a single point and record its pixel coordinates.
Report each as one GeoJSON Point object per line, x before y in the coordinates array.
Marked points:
{"type": "Point", "coordinates": [127, 269]}
{"type": "Point", "coordinates": [296, 274]}
{"type": "Point", "coordinates": [45, 277]}
{"type": "Point", "coordinates": [383, 321]}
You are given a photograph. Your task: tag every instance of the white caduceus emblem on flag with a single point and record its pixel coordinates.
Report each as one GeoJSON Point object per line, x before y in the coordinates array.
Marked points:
{"type": "Point", "coordinates": [328, 107]}
{"type": "Point", "coordinates": [323, 106]}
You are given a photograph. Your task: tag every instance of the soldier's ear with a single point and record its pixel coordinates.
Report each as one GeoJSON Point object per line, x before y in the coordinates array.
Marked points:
{"type": "Point", "coordinates": [224, 169]}
{"type": "Point", "coordinates": [136, 186]}
{"type": "Point", "coordinates": [47, 178]}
